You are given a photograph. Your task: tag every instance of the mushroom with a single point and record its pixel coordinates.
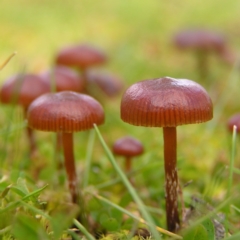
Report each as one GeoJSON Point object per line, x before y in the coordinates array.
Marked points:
{"type": "Point", "coordinates": [81, 56]}
{"type": "Point", "coordinates": [203, 42]}
{"type": "Point", "coordinates": [128, 147]}
{"type": "Point", "coordinates": [66, 112]}
{"type": "Point", "coordinates": [22, 90]}
{"type": "Point", "coordinates": [63, 79]}
{"type": "Point", "coordinates": [167, 102]}
{"type": "Point", "coordinates": [234, 120]}
{"type": "Point", "coordinates": [109, 84]}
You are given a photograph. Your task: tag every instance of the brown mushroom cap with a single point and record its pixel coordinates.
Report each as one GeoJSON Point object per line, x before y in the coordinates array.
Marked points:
{"type": "Point", "coordinates": [23, 89]}
{"type": "Point", "coordinates": [81, 56]}
{"type": "Point", "coordinates": [64, 78]}
{"type": "Point", "coordinates": [203, 39]}
{"type": "Point", "coordinates": [166, 102]}
{"type": "Point", "coordinates": [64, 112]}
{"type": "Point", "coordinates": [234, 120]}
{"type": "Point", "coordinates": [110, 84]}
{"type": "Point", "coordinates": [127, 146]}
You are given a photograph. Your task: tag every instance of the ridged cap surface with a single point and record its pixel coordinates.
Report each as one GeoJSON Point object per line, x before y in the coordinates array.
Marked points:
{"type": "Point", "coordinates": [64, 112]}
{"type": "Point", "coordinates": [166, 102]}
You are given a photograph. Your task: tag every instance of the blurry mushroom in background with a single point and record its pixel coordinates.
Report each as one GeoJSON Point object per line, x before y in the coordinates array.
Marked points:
{"type": "Point", "coordinates": [167, 102]}
{"type": "Point", "coordinates": [63, 78]}
{"type": "Point", "coordinates": [203, 42]}
{"type": "Point", "coordinates": [66, 112]}
{"type": "Point", "coordinates": [108, 84]}
{"type": "Point", "coordinates": [127, 147]}
{"type": "Point", "coordinates": [234, 120]}
{"type": "Point", "coordinates": [22, 89]}
{"type": "Point", "coordinates": [82, 57]}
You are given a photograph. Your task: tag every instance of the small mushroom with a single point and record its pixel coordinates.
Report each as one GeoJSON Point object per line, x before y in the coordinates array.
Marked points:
{"type": "Point", "coordinates": [234, 120]}
{"type": "Point", "coordinates": [81, 56]}
{"type": "Point", "coordinates": [128, 147]}
{"type": "Point", "coordinates": [167, 102]}
{"type": "Point", "coordinates": [66, 112]}
{"type": "Point", "coordinates": [22, 90]}
{"type": "Point", "coordinates": [203, 42]}
{"type": "Point", "coordinates": [63, 79]}
{"type": "Point", "coordinates": [109, 84]}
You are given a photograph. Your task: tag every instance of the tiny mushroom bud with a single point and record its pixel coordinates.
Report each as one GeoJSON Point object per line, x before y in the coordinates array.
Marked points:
{"type": "Point", "coordinates": [167, 102]}
{"type": "Point", "coordinates": [128, 147]}
{"type": "Point", "coordinates": [22, 90]}
{"type": "Point", "coordinates": [66, 112]}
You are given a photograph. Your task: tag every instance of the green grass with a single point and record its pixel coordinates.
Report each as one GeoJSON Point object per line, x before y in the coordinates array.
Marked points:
{"type": "Point", "coordinates": [137, 37]}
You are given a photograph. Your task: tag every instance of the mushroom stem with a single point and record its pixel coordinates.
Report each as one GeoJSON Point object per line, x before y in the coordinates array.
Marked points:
{"type": "Point", "coordinates": [67, 139]}
{"type": "Point", "coordinates": [171, 178]}
{"type": "Point", "coordinates": [128, 164]}
{"type": "Point", "coordinates": [30, 135]}
{"type": "Point", "coordinates": [202, 64]}
{"type": "Point", "coordinates": [84, 78]}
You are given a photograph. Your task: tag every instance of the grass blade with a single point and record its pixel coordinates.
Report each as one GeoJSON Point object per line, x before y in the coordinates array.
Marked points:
{"type": "Point", "coordinates": [88, 158]}
{"type": "Point", "coordinates": [7, 60]}
{"type": "Point", "coordinates": [83, 230]}
{"type": "Point", "coordinates": [231, 165]}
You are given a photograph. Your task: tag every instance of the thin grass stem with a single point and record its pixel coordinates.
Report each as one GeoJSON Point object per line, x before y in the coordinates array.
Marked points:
{"type": "Point", "coordinates": [90, 145]}
{"type": "Point", "coordinates": [83, 230]}
{"type": "Point", "coordinates": [231, 165]}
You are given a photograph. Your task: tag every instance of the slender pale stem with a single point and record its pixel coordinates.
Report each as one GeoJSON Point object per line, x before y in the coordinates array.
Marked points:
{"type": "Point", "coordinates": [171, 178]}
{"type": "Point", "coordinates": [67, 139]}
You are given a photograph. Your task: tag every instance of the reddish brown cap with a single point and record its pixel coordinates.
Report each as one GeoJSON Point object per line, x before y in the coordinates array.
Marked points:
{"type": "Point", "coordinates": [81, 56]}
{"type": "Point", "coordinates": [23, 89]}
{"type": "Point", "coordinates": [166, 102]}
{"type": "Point", "coordinates": [127, 146]}
{"type": "Point", "coordinates": [110, 84]}
{"type": "Point", "coordinates": [64, 79]}
{"type": "Point", "coordinates": [200, 39]}
{"type": "Point", "coordinates": [234, 120]}
{"type": "Point", "coordinates": [65, 112]}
